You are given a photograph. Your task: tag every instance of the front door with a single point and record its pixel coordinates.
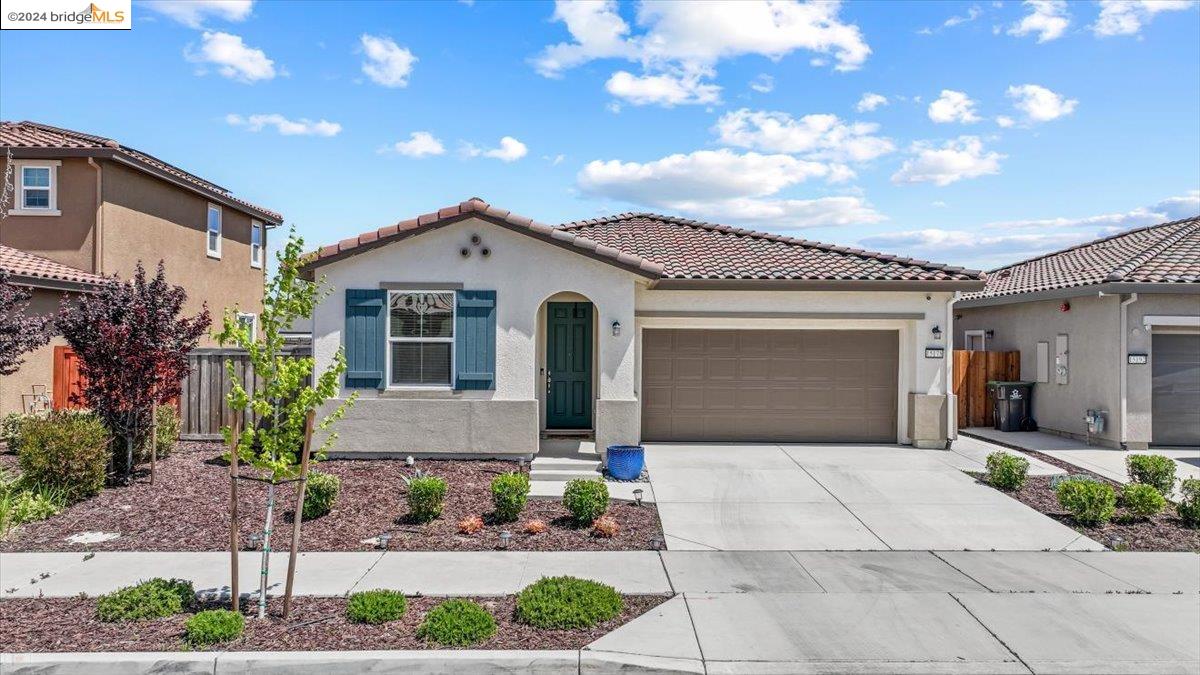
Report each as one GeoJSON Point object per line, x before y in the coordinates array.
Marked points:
{"type": "Point", "coordinates": [569, 365]}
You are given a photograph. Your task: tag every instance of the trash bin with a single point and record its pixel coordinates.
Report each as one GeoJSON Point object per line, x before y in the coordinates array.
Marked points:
{"type": "Point", "coordinates": [1012, 402]}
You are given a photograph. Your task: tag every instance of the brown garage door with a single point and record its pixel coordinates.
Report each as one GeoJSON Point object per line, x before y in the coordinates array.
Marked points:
{"type": "Point", "coordinates": [1175, 395]}
{"type": "Point", "coordinates": [769, 385]}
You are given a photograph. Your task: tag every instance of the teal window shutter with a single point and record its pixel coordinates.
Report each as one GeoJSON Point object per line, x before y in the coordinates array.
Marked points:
{"type": "Point", "coordinates": [365, 338]}
{"type": "Point", "coordinates": [475, 340]}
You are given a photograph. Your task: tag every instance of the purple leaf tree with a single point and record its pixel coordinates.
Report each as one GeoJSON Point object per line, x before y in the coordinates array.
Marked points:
{"type": "Point", "coordinates": [20, 332]}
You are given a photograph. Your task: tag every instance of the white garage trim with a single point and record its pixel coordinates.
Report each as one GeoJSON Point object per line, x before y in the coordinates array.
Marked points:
{"type": "Point", "coordinates": [1182, 321]}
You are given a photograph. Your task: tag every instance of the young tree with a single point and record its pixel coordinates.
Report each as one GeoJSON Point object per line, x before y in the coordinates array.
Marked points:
{"type": "Point", "coordinates": [284, 398]}
{"type": "Point", "coordinates": [19, 331]}
{"type": "Point", "coordinates": [133, 342]}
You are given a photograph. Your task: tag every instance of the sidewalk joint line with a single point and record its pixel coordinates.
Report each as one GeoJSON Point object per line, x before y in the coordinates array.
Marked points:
{"type": "Point", "coordinates": [1105, 573]}
{"type": "Point", "coordinates": [992, 633]}
{"type": "Point", "coordinates": [364, 574]}
{"type": "Point", "coordinates": [792, 555]}
{"type": "Point", "coordinates": [956, 569]}
{"type": "Point", "coordinates": [695, 633]}
{"type": "Point", "coordinates": [836, 498]}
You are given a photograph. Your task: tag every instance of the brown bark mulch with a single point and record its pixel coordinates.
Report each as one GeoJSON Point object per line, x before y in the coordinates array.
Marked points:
{"type": "Point", "coordinates": [316, 624]}
{"type": "Point", "coordinates": [1164, 532]}
{"type": "Point", "coordinates": [187, 509]}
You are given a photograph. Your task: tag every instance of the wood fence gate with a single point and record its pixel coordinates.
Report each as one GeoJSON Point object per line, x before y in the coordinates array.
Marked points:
{"type": "Point", "coordinates": [972, 371]}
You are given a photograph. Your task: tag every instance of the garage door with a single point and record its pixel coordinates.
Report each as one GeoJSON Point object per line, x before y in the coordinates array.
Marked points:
{"type": "Point", "coordinates": [769, 385]}
{"type": "Point", "coordinates": [1175, 399]}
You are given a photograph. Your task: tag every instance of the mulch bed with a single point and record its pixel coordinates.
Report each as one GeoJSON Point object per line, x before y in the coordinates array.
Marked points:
{"type": "Point", "coordinates": [187, 509]}
{"type": "Point", "coordinates": [1164, 532]}
{"type": "Point", "coordinates": [316, 624]}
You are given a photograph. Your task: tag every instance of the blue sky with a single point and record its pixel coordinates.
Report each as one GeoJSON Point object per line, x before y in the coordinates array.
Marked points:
{"type": "Point", "coordinates": [973, 133]}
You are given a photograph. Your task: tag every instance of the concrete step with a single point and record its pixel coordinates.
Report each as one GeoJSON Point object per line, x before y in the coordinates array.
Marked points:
{"type": "Point", "coordinates": [566, 463]}
{"type": "Point", "coordinates": [536, 475]}
{"type": "Point", "coordinates": [568, 447]}
{"type": "Point", "coordinates": [553, 489]}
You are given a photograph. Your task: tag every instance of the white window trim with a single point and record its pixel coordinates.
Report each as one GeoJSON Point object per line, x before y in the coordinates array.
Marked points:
{"type": "Point", "coordinates": [453, 357]}
{"type": "Point", "coordinates": [19, 188]}
{"type": "Point", "coordinates": [253, 322]}
{"type": "Point", "coordinates": [982, 335]}
{"type": "Point", "coordinates": [256, 261]}
{"type": "Point", "coordinates": [211, 252]}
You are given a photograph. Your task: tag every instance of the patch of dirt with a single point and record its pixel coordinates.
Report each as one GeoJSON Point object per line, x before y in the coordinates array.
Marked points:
{"type": "Point", "coordinates": [316, 624]}
{"type": "Point", "coordinates": [187, 509]}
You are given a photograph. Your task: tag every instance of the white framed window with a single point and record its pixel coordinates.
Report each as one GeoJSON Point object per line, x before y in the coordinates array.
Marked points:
{"type": "Point", "coordinates": [213, 234]}
{"type": "Point", "coordinates": [420, 334]}
{"type": "Point", "coordinates": [256, 244]}
{"type": "Point", "coordinates": [250, 321]}
{"type": "Point", "coordinates": [36, 184]}
{"type": "Point", "coordinates": [976, 340]}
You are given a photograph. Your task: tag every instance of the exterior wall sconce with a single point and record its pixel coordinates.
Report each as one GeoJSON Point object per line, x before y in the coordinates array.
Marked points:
{"type": "Point", "coordinates": [616, 328]}
{"type": "Point", "coordinates": [937, 333]}
{"type": "Point", "coordinates": [1065, 307]}
{"type": "Point", "coordinates": [989, 333]}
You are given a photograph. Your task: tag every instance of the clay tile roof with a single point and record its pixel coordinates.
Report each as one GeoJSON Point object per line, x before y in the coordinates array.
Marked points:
{"type": "Point", "coordinates": [689, 249]}
{"type": "Point", "coordinates": [34, 267]}
{"type": "Point", "coordinates": [1168, 253]}
{"type": "Point", "coordinates": [28, 134]}
{"type": "Point", "coordinates": [478, 208]}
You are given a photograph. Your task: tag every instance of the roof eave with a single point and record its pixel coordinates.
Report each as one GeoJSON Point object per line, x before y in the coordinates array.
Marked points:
{"type": "Point", "coordinates": [818, 285]}
{"type": "Point", "coordinates": [53, 284]}
{"type": "Point", "coordinates": [1111, 288]}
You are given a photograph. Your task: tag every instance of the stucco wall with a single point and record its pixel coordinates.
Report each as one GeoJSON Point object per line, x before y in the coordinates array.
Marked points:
{"type": "Point", "coordinates": [524, 272]}
{"type": "Point", "coordinates": [38, 365]}
{"type": "Point", "coordinates": [65, 238]}
{"type": "Point", "coordinates": [1140, 340]}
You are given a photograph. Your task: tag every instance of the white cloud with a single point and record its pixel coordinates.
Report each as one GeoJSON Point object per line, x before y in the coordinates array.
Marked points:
{"type": "Point", "coordinates": [665, 89]}
{"type": "Point", "coordinates": [387, 63]}
{"type": "Point", "coordinates": [973, 12]}
{"type": "Point", "coordinates": [419, 144]}
{"type": "Point", "coordinates": [1039, 104]}
{"type": "Point", "coordinates": [870, 101]}
{"type": "Point", "coordinates": [938, 204]}
{"type": "Point", "coordinates": [285, 126]}
{"type": "Point", "coordinates": [598, 30]}
{"type": "Point", "coordinates": [1004, 121]}
{"type": "Point", "coordinates": [192, 13]}
{"type": "Point", "coordinates": [555, 160]}
{"type": "Point", "coordinates": [1126, 17]}
{"type": "Point", "coordinates": [958, 159]}
{"type": "Point", "coordinates": [763, 84]}
{"type": "Point", "coordinates": [823, 137]}
{"type": "Point", "coordinates": [509, 150]}
{"type": "Point", "coordinates": [953, 106]}
{"type": "Point", "coordinates": [1048, 18]}
{"type": "Point", "coordinates": [232, 57]}
{"type": "Point", "coordinates": [1171, 208]}
{"type": "Point", "coordinates": [782, 214]}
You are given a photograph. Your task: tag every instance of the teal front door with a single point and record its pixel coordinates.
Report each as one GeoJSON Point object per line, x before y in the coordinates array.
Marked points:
{"type": "Point", "coordinates": [569, 365]}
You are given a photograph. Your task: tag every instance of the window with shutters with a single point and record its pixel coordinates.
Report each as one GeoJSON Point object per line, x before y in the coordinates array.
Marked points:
{"type": "Point", "coordinates": [420, 334]}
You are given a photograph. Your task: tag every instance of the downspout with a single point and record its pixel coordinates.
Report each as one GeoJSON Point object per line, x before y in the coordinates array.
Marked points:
{"type": "Point", "coordinates": [98, 236]}
{"type": "Point", "coordinates": [948, 365]}
{"type": "Point", "coordinates": [1125, 366]}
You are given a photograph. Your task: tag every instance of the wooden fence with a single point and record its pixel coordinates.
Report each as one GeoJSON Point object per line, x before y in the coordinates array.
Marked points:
{"type": "Point", "coordinates": [972, 371]}
{"type": "Point", "coordinates": [203, 408]}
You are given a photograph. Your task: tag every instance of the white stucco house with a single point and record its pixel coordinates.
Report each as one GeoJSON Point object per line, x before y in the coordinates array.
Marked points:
{"type": "Point", "coordinates": [473, 331]}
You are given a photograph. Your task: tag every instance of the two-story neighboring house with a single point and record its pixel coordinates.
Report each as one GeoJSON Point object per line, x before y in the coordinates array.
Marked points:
{"type": "Point", "coordinates": [78, 207]}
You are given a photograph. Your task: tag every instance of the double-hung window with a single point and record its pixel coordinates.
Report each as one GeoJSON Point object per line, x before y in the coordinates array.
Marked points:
{"type": "Point", "coordinates": [420, 338]}
{"type": "Point", "coordinates": [249, 322]}
{"type": "Point", "coordinates": [213, 239]}
{"type": "Point", "coordinates": [256, 244]}
{"type": "Point", "coordinates": [37, 188]}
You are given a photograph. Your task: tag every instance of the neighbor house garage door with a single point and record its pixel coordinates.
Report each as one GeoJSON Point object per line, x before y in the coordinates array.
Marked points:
{"type": "Point", "coordinates": [1175, 400]}
{"type": "Point", "coordinates": [769, 385]}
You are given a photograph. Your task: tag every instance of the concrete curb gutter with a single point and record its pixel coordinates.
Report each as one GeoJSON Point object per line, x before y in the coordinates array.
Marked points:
{"type": "Point", "coordinates": [547, 662]}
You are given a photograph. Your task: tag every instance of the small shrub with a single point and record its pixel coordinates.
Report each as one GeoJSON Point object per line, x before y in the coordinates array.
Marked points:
{"type": "Point", "coordinates": [10, 430]}
{"type": "Point", "coordinates": [457, 623]}
{"type": "Point", "coordinates": [1062, 478]}
{"type": "Point", "coordinates": [1189, 502]}
{"type": "Point", "coordinates": [151, 599]}
{"type": "Point", "coordinates": [166, 422]}
{"type": "Point", "coordinates": [1089, 502]}
{"type": "Point", "coordinates": [64, 450]}
{"type": "Point", "coordinates": [1156, 471]}
{"type": "Point", "coordinates": [320, 493]}
{"type": "Point", "coordinates": [1143, 500]}
{"type": "Point", "coordinates": [586, 499]}
{"type": "Point", "coordinates": [605, 527]}
{"type": "Point", "coordinates": [470, 525]}
{"type": "Point", "coordinates": [535, 527]}
{"type": "Point", "coordinates": [426, 495]}
{"type": "Point", "coordinates": [22, 506]}
{"type": "Point", "coordinates": [509, 493]}
{"type": "Point", "coordinates": [1006, 471]}
{"type": "Point", "coordinates": [376, 607]}
{"type": "Point", "coordinates": [567, 602]}
{"type": "Point", "coordinates": [213, 626]}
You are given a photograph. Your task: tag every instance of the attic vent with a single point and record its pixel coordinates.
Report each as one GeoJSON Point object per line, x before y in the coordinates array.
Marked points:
{"type": "Point", "coordinates": [1004, 274]}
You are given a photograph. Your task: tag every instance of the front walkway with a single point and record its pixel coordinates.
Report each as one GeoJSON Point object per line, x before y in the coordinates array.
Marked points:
{"type": "Point", "coordinates": [742, 497]}
{"type": "Point", "coordinates": [749, 612]}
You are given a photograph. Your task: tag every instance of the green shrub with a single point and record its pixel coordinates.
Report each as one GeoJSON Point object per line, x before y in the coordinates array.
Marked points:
{"type": "Point", "coordinates": [166, 421]}
{"type": "Point", "coordinates": [20, 506]}
{"type": "Point", "coordinates": [567, 602]}
{"type": "Point", "coordinates": [64, 450]}
{"type": "Point", "coordinates": [1189, 502]}
{"type": "Point", "coordinates": [320, 493]}
{"type": "Point", "coordinates": [586, 499]}
{"type": "Point", "coordinates": [509, 493]}
{"type": "Point", "coordinates": [426, 495]}
{"type": "Point", "coordinates": [10, 430]}
{"type": "Point", "coordinates": [376, 607]}
{"type": "Point", "coordinates": [1090, 502]}
{"type": "Point", "coordinates": [1154, 470]}
{"type": "Point", "coordinates": [1143, 500]}
{"type": "Point", "coordinates": [1006, 471]}
{"type": "Point", "coordinates": [151, 599]}
{"type": "Point", "coordinates": [215, 625]}
{"type": "Point", "coordinates": [457, 623]}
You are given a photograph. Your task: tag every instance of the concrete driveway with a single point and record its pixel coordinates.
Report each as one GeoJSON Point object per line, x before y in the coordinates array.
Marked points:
{"type": "Point", "coordinates": [747, 497]}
